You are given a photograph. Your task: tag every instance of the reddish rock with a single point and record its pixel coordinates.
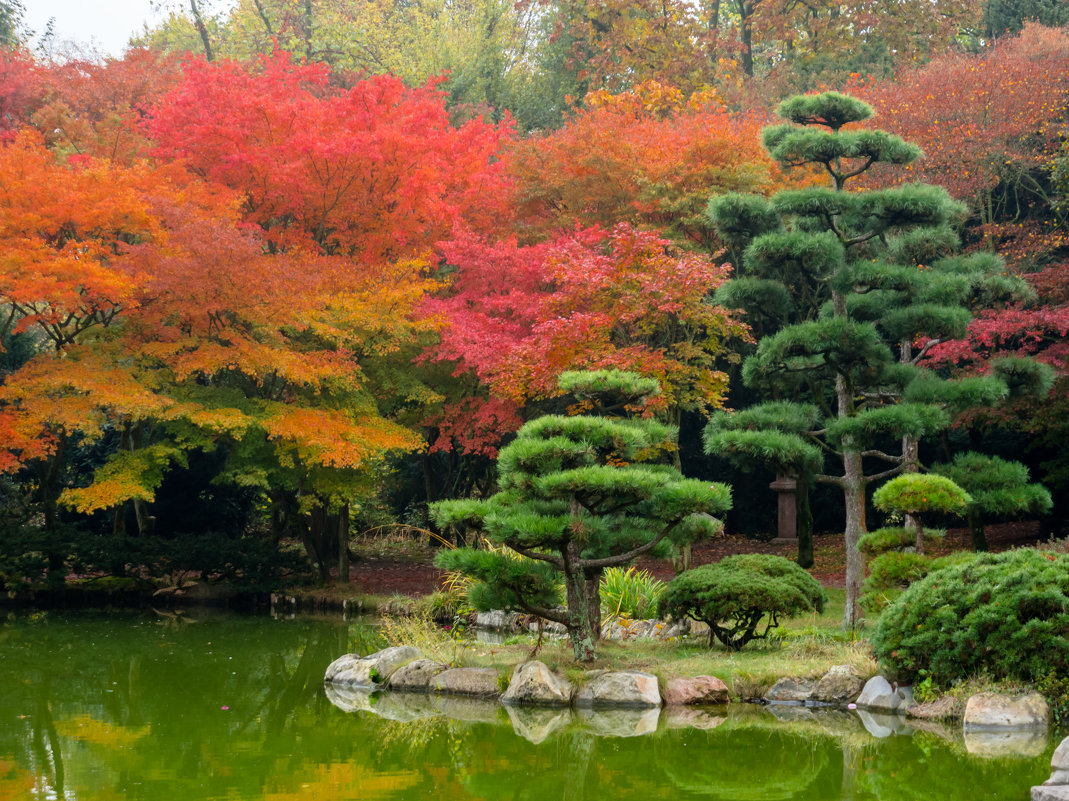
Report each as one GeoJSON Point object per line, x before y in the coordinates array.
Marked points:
{"type": "Point", "coordinates": [697, 690]}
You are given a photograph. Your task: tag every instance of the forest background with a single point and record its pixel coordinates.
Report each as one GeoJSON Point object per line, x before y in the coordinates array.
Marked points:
{"type": "Point", "coordinates": [293, 271]}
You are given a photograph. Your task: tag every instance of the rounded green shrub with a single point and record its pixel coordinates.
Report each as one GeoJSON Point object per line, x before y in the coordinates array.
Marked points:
{"type": "Point", "coordinates": [1004, 615]}
{"type": "Point", "coordinates": [735, 595]}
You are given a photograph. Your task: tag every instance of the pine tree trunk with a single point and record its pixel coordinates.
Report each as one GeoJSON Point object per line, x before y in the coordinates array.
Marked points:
{"type": "Point", "coordinates": [854, 495]}
{"type": "Point", "coordinates": [805, 524]}
{"type": "Point", "coordinates": [976, 528]}
{"type": "Point", "coordinates": [580, 630]}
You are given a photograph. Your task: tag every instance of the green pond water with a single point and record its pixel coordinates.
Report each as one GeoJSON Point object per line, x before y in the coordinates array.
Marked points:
{"type": "Point", "coordinates": [207, 706]}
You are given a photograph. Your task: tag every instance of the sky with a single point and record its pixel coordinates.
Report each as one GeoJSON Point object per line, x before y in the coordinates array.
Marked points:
{"type": "Point", "coordinates": [104, 24]}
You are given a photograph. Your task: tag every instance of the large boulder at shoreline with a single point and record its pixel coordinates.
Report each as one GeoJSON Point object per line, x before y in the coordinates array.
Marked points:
{"type": "Point", "coordinates": [995, 711]}
{"type": "Point", "coordinates": [791, 689]}
{"type": "Point", "coordinates": [840, 685]}
{"type": "Point", "coordinates": [478, 682]}
{"type": "Point", "coordinates": [697, 690]}
{"type": "Point", "coordinates": [535, 724]}
{"type": "Point", "coordinates": [373, 670]}
{"type": "Point", "coordinates": [620, 688]}
{"type": "Point", "coordinates": [1052, 793]}
{"type": "Point", "coordinates": [880, 695]}
{"type": "Point", "coordinates": [620, 722]}
{"type": "Point", "coordinates": [535, 684]}
{"type": "Point", "coordinates": [416, 676]}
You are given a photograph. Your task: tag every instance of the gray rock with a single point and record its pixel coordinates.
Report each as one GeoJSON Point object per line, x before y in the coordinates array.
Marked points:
{"type": "Point", "coordinates": [881, 696]}
{"type": "Point", "coordinates": [840, 685]}
{"type": "Point", "coordinates": [790, 713]}
{"type": "Point", "coordinates": [535, 724]}
{"type": "Point", "coordinates": [620, 722]}
{"type": "Point", "coordinates": [372, 670]}
{"type": "Point", "coordinates": [499, 620]}
{"type": "Point", "coordinates": [1003, 743]}
{"type": "Point", "coordinates": [689, 717]}
{"type": "Point", "coordinates": [881, 724]}
{"type": "Point", "coordinates": [791, 688]}
{"type": "Point", "coordinates": [1050, 793]}
{"type": "Point", "coordinates": [535, 684]}
{"type": "Point", "coordinates": [620, 689]}
{"type": "Point", "coordinates": [349, 698]}
{"type": "Point", "coordinates": [1060, 760]}
{"type": "Point", "coordinates": [1057, 777]}
{"type": "Point", "coordinates": [995, 711]}
{"type": "Point", "coordinates": [416, 676]}
{"type": "Point", "coordinates": [549, 627]}
{"type": "Point", "coordinates": [480, 682]}
{"type": "Point", "coordinates": [697, 690]}
{"type": "Point", "coordinates": [404, 707]}
{"type": "Point", "coordinates": [472, 709]}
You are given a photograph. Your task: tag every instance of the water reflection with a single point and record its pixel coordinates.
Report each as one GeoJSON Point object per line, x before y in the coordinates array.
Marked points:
{"type": "Point", "coordinates": [169, 706]}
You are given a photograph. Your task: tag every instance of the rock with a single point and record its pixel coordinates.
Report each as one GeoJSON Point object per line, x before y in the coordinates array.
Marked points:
{"type": "Point", "coordinates": [1060, 760]}
{"type": "Point", "coordinates": [499, 620]}
{"type": "Point", "coordinates": [881, 724]}
{"type": "Point", "coordinates": [1050, 793]}
{"type": "Point", "coordinates": [416, 676]}
{"type": "Point", "coordinates": [882, 696]}
{"type": "Point", "coordinates": [404, 707]}
{"type": "Point", "coordinates": [689, 717]}
{"type": "Point", "coordinates": [479, 682]}
{"type": "Point", "coordinates": [370, 671]}
{"type": "Point", "coordinates": [995, 711]}
{"type": "Point", "coordinates": [1003, 743]}
{"type": "Point", "coordinates": [349, 698]}
{"type": "Point", "coordinates": [535, 724]}
{"type": "Point", "coordinates": [791, 688]}
{"type": "Point", "coordinates": [620, 688]}
{"type": "Point", "coordinates": [840, 685]}
{"type": "Point", "coordinates": [472, 709]}
{"type": "Point", "coordinates": [620, 722]}
{"type": "Point", "coordinates": [535, 684]}
{"type": "Point", "coordinates": [790, 713]}
{"type": "Point", "coordinates": [697, 690]}
{"type": "Point", "coordinates": [940, 709]}
{"type": "Point", "coordinates": [551, 628]}
{"type": "Point", "coordinates": [1058, 777]}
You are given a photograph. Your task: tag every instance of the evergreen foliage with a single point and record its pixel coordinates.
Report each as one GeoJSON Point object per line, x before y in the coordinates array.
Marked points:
{"type": "Point", "coordinates": [997, 488]}
{"type": "Point", "coordinates": [1005, 616]}
{"type": "Point", "coordinates": [578, 495]}
{"type": "Point", "coordinates": [849, 291]}
{"type": "Point", "coordinates": [736, 594]}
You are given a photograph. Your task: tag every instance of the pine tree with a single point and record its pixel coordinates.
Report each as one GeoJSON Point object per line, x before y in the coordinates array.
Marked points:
{"type": "Point", "coordinates": [579, 494]}
{"type": "Point", "coordinates": [850, 291]}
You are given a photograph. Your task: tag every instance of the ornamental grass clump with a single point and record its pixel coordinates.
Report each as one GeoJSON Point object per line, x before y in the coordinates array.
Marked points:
{"type": "Point", "coordinates": [735, 595]}
{"type": "Point", "coordinates": [1003, 615]}
{"type": "Point", "coordinates": [630, 592]}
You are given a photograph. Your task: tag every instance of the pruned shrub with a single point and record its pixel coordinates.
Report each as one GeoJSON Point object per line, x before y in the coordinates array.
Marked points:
{"type": "Point", "coordinates": [917, 494]}
{"type": "Point", "coordinates": [1005, 615]}
{"type": "Point", "coordinates": [735, 595]}
{"type": "Point", "coordinates": [882, 540]}
{"type": "Point", "coordinates": [892, 572]}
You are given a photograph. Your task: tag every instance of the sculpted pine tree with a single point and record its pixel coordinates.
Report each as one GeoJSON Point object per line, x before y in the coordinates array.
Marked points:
{"type": "Point", "coordinates": [577, 495]}
{"type": "Point", "coordinates": [850, 291]}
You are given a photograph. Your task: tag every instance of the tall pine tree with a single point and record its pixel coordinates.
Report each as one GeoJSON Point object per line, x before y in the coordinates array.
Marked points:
{"type": "Point", "coordinates": [849, 291]}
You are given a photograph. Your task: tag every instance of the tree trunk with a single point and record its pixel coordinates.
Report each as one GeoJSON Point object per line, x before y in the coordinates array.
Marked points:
{"type": "Point", "coordinates": [976, 528]}
{"type": "Point", "coordinates": [746, 34]}
{"type": "Point", "coordinates": [580, 630]}
{"type": "Point", "coordinates": [920, 534]}
{"type": "Point", "coordinates": [343, 545]}
{"type": "Point", "coordinates": [854, 495]}
{"type": "Point", "coordinates": [202, 30]}
{"type": "Point", "coordinates": [804, 523]}
{"type": "Point", "coordinates": [593, 600]}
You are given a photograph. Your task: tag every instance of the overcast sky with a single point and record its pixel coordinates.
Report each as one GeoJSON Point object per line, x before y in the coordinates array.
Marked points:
{"type": "Point", "coordinates": [105, 24]}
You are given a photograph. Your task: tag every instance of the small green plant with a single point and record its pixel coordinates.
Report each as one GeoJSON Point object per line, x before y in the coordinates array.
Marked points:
{"type": "Point", "coordinates": [918, 493]}
{"type": "Point", "coordinates": [734, 596]}
{"type": "Point", "coordinates": [632, 593]}
{"type": "Point", "coordinates": [1005, 615]}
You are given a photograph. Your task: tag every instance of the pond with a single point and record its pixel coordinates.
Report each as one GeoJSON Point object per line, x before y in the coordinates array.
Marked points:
{"type": "Point", "coordinates": [202, 705]}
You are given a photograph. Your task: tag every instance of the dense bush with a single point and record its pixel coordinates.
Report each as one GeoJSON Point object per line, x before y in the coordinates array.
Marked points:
{"type": "Point", "coordinates": [736, 594]}
{"type": "Point", "coordinates": [892, 572]}
{"type": "Point", "coordinates": [1005, 615]}
{"type": "Point", "coordinates": [882, 540]}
